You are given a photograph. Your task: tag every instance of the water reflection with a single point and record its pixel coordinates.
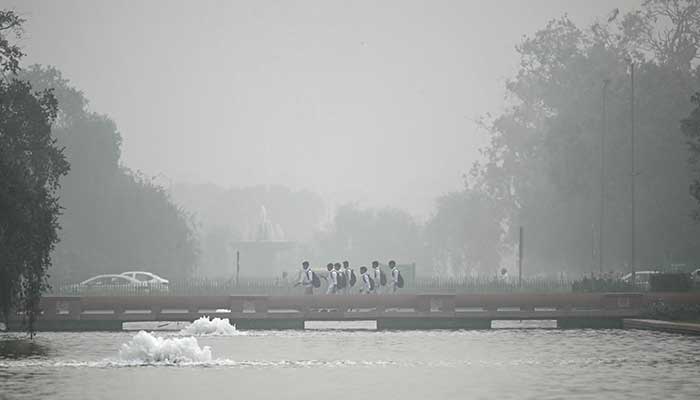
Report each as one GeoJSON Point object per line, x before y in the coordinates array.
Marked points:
{"type": "Point", "coordinates": [19, 381]}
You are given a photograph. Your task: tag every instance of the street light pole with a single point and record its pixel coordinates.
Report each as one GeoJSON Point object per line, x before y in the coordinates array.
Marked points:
{"type": "Point", "coordinates": [633, 265]}
{"type": "Point", "coordinates": [238, 267]}
{"type": "Point", "coordinates": [520, 257]}
{"type": "Point", "coordinates": [603, 134]}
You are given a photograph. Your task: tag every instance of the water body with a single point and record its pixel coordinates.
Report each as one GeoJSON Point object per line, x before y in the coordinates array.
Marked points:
{"type": "Point", "coordinates": [218, 363]}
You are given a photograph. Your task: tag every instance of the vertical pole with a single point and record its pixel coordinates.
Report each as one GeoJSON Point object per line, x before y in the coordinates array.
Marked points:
{"type": "Point", "coordinates": [520, 258]}
{"type": "Point", "coordinates": [633, 265]}
{"type": "Point", "coordinates": [603, 134]}
{"type": "Point", "coordinates": [238, 266]}
{"type": "Point", "coordinates": [593, 247]}
{"type": "Point", "coordinates": [413, 282]}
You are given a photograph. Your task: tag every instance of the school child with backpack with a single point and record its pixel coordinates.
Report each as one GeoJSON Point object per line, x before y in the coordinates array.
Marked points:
{"type": "Point", "coordinates": [396, 278]}
{"type": "Point", "coordinates": [368, 285]}
{"type": "Point", "coordinates": [332, 280]}
{"type": "Point", "coordinates": [308, 279]}
{"type": "Point", "coordinates": [379, 277]}
{"type": "Point", "coordinates": [342, 281]}
{"type": "Point", "coordinates": [350, 277]}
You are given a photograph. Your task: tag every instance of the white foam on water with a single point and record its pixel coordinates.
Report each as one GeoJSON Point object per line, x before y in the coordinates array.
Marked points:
{"type": "Point", "coordinates": [145, 348]}
{"type": "Point", "coordinates": [205, 326]}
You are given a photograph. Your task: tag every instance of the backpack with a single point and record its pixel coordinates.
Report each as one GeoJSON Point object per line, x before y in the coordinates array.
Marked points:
{"type": "Point", "coordinates": [371, 284]}
{"type": "Point", "coordinates": [382, 278]}
{"type": "Point", "coordinates": [342, 280]}
{"type": "Point", "coordinates": [353, 278]}
{"type": "Point", "coordinates": [399, 281]}
{"type": "Point", "coordinates": [315, 281]}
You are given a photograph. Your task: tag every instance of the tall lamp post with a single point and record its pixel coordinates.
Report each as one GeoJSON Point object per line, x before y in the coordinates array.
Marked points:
{"type": "Point", "coordinates": [633, 265]}
{"type": "Point", "coordinates": [603, 134]}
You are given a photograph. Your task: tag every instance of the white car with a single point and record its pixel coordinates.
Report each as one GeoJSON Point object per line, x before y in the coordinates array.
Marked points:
{"type": "Point", "coordinates": [110, 284]}
{"type": "Point", "coordinates": [148, 278]}
{"type": "Point", "coordinates": [111, 280]}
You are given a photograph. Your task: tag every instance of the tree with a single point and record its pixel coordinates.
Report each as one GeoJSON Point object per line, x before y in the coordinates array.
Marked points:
{"type": "Point", "coordinates": [691, 128]}
{"type": "Point", "coordinates": [31, 165]}
{"type": "Point", "coordinates": [543, 161]}
{"type": "Point", "coordinates": [10, 54]}
{"type": "Point", "coordinates": [465, 234]}
{"type": "Point", "coordinates": [114, 218]}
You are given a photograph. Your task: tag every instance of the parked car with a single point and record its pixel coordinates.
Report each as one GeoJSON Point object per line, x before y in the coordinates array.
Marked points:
{"type": "Point", "coordinates": [110, 284]}
{"type": "Point", "coordinates": [641, 278]}
{"type": "Point", "coordinates": [150, 279]}
{"type": "Point", "coordinates": [695, 276]}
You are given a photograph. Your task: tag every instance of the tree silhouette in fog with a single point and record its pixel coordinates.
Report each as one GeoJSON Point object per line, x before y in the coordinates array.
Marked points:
{"type": "Point", "coordinates": [114, 218]}
{"type": "Point", "coordinates": [543, 161]}
{"type": "Point", "coordinates": [31, 164]}
{"type": "Point", "coordinates": [462, 234]}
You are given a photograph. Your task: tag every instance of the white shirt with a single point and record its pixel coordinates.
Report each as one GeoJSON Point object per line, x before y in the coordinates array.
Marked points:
{"type": "Point", "coordinates": [338, 273]}
{"type": "Point", "coordinates": [395, 275]}
{"type": "Point", "coordinates": [333, 277]}
{"type": "Point", "coordinates": [377, 276]}
{"type": "Point", "coordinates": [306, 278]}
{"type": "Point", "coordinates": [366, 286]}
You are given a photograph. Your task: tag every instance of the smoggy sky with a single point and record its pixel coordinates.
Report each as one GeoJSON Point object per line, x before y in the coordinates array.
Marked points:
{"type": "Point", "coordinates": [369, 101]}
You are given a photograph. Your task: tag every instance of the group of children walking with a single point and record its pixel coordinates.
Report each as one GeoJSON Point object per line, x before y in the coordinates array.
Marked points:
{"type": "Point", "coordinates": [341, 279]}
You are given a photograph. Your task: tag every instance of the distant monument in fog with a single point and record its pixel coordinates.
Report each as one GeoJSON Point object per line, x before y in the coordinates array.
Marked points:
{"type": "Point", "coordinates": [266, 230]}
{"type": "Point", "coordinates": [267, 253]}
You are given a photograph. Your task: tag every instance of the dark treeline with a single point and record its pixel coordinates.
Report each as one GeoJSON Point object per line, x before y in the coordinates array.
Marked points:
{"type": "Point", "coordinates": [113, 218]}
{"type": "Point", "coordinates": [542, 166]}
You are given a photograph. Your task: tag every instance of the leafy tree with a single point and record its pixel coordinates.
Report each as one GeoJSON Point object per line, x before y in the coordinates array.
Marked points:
{"type": "Point", "coordinates": [464, 234]}
{"type": "Point", "coordinates": [114, 218]}
{"type": "Point", "coordinates": [543, 161]}
{"type": "Point", "coordinates": [31, 164]}
{"type": "Point", "coordinates": [10, 54]}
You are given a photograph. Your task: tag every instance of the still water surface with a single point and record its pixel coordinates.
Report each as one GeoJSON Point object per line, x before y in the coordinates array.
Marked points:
{"type": "Point", "coordinates": [493, 364]}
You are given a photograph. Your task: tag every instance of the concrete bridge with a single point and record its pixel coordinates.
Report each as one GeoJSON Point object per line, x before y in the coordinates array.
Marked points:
{"type": "Point", "coordinates": [402, 311]}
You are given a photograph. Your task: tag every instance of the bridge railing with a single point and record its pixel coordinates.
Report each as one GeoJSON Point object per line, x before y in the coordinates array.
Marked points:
{"type": "Point", "coordinates": [466, 305]}
{"type": "Point", "coordinates": [492, 284]}
{"type": "Point", "coordinates": [280, 287]}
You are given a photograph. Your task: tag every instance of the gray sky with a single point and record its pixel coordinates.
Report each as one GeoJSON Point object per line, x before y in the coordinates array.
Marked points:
{"type": "Point", "coordinates": [360, 101]}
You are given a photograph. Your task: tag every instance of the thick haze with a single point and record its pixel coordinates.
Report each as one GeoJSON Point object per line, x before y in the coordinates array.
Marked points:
{"type": "Point", "coordinates": [367, 101]}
